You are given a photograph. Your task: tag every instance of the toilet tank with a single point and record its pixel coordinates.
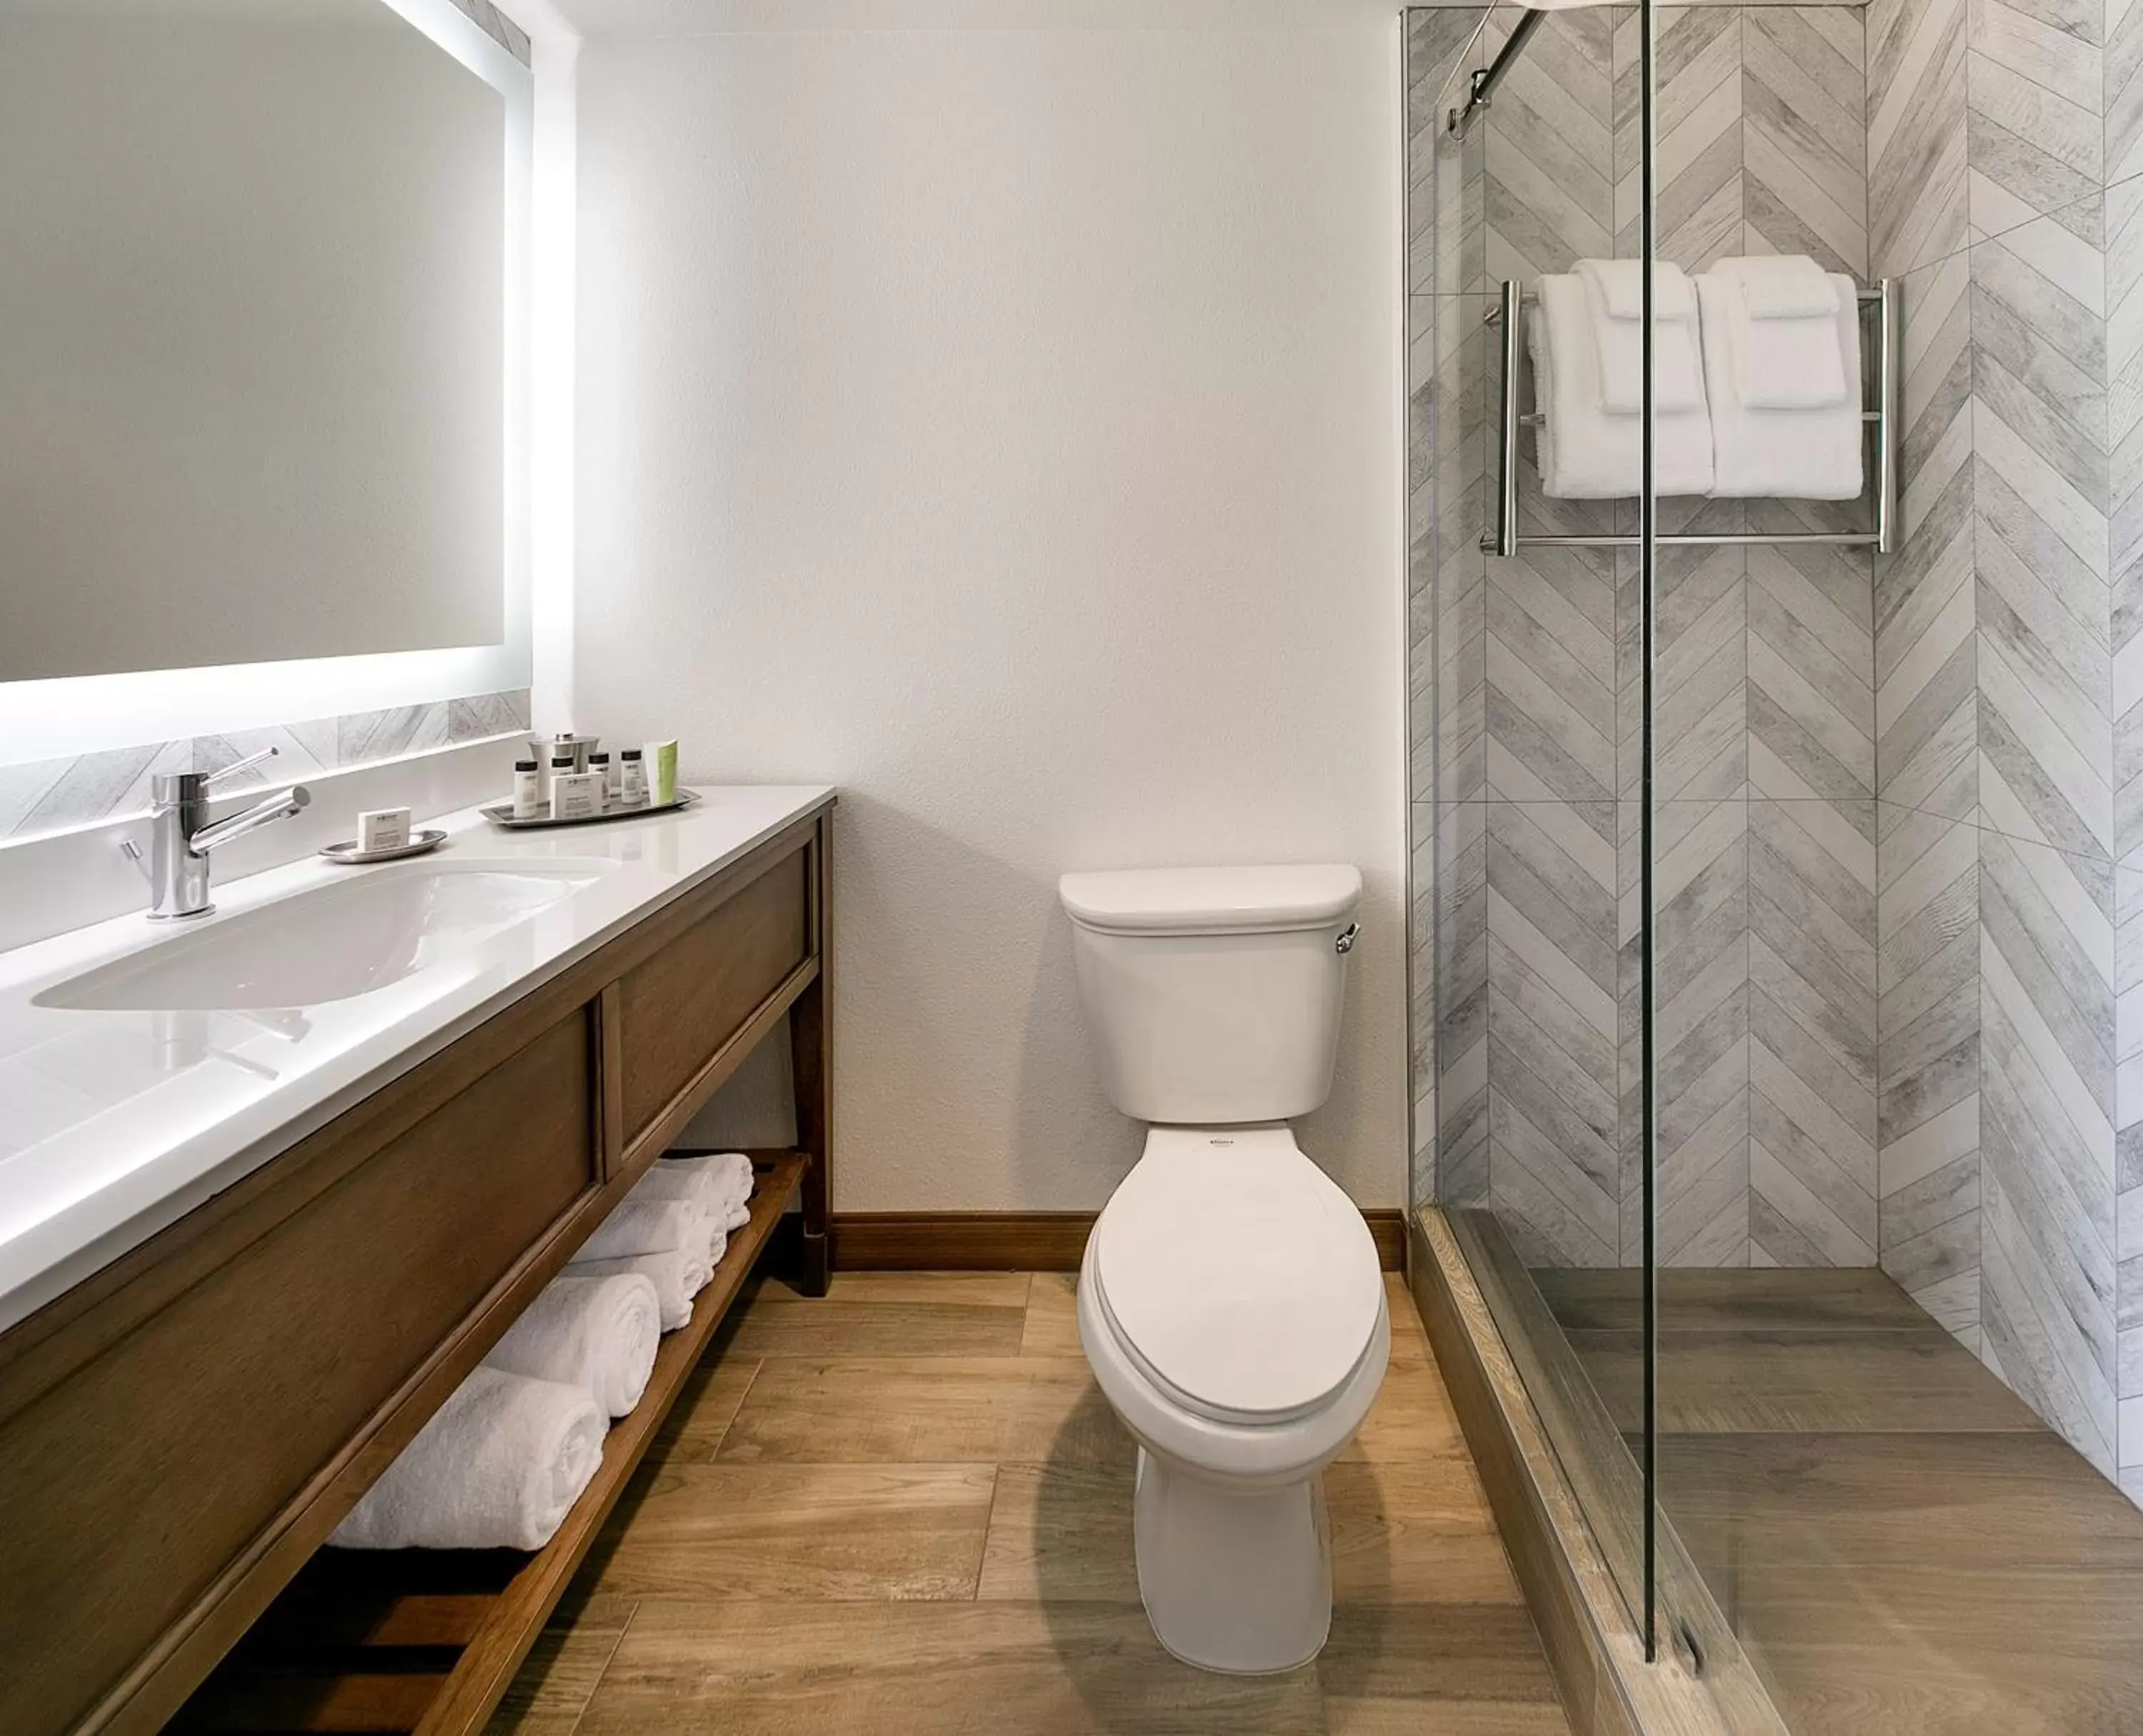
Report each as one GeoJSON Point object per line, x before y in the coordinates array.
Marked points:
{"type": "Point", "coordinates": [1213, 994]}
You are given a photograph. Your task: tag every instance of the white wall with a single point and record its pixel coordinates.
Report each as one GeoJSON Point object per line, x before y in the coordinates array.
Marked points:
{"type": "Point", "coordinates": [1003, 425]}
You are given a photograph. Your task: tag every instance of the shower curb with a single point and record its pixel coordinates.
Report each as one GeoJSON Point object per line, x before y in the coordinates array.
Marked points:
{"type": "Point", "coordinates": [1593, 1653]}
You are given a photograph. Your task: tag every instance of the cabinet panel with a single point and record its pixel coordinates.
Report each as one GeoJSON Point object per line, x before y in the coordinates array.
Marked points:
{"type": "Point", "coordinates": [127, 1487]}
{"type": "Point", "coordinates": [680, 1005]}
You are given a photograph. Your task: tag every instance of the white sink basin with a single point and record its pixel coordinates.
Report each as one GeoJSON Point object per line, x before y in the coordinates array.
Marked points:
{"type": "Point", "coordinates": [329, 943]}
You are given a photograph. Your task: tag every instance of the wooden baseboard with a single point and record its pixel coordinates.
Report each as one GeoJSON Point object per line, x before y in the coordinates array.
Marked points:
{"type": "Point", "coordinates": [1010, 1241]}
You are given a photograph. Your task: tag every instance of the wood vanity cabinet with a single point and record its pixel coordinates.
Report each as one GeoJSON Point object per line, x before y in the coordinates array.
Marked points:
{"type": "Point", "coordinates": [182, 1431]}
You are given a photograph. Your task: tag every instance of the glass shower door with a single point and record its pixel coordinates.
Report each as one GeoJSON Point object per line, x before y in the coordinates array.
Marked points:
{"type": "Point", "coordinates": [1530, 574]}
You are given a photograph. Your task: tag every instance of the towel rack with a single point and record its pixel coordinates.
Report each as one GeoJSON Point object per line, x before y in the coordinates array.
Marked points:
{"type": "Point", "coordinates": [1505, 540]}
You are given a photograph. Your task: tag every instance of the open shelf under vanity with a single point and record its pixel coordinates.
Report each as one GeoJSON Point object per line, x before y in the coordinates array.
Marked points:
{"type": "Point", "coordinates": [428, 1641]}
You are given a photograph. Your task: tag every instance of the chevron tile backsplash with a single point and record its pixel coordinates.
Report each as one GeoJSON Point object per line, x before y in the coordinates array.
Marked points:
{"type": "Point", "coordinates": [53, 795]}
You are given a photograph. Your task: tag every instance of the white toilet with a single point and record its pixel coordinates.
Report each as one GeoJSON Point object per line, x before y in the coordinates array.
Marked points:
{"type": "Point", "coordinates": [1229, 1298]}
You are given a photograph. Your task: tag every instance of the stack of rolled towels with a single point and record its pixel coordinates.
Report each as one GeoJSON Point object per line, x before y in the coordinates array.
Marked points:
{"type": "Point", "coordinates": [502, 1460]}
{"type": "Point", "coordinates": [1756, 380]}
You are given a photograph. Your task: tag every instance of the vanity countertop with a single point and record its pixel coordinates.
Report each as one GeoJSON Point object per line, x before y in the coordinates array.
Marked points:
{"type": "Point", "coordinates": [116, 1124]}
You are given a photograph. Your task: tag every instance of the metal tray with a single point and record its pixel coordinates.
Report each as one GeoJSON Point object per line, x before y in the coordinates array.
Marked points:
{"type": "Point", "coordinates": [429, 837]}
{"type": "Point", "coordinates": [501, 814]}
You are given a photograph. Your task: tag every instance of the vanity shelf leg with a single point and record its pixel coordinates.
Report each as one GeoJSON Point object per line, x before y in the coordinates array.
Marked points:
{"type": "Point", "coordinates": [811, 1069]}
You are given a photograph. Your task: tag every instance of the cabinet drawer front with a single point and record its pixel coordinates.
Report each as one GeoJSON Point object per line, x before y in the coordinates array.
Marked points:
{"type": "Point", "coordinates": [681, 1005]}
{"type": "Point", "coordinates": [125, 1489]}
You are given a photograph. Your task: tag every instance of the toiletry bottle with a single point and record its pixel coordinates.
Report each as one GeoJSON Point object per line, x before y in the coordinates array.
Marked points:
{"type": "Point", "coordinates": [562, 766]}
{"type": "Point", "coordinates": [527, 790]}
{"type": "Point", "coordinates": [608, 768]}
{"type": "Point", "coordinates": [632, 778]}
{"type": "Point", "coordinates": [662, 758]}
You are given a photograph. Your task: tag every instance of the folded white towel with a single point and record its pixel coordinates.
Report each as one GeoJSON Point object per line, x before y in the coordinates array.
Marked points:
{"type": "Point", "coordinates": [1614, 297]}
{"type": "Point", "coordinates": [678, 1276]}
{"type": "Point", "coordinates": [721, 1182]}
{"type": "Point", "coordinates": [499, 1467]}
{"type": "Point", "coordinates": [1781, 285]}
{"type": "Point", "coordinates": [642, 1226]}
{"type": "Point", "coordinates": [597, 1333]}
{"type": "Point", "coordinates": [1785, 360]}
{"type": "Point", "coordinates": [1619, 285]}
{"type": "Point", "coordinates": [1814, 454]}
{"type": "Point", "coordinates": [1585, 453]}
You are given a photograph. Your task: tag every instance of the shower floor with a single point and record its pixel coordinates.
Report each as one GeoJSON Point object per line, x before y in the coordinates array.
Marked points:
{"type": "Point", "coordinates": [1900, 1545]}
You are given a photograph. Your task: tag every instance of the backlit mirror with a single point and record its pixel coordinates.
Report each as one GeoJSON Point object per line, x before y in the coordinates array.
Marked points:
{"type": "Point", "coordinates": [258, 341]}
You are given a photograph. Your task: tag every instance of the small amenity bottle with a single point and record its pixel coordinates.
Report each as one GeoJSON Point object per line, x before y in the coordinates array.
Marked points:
{"type": "Point", "coordinates": [527, 790]}
{"type": "Point", "coordinates": [612, 784]}
{"type": "Point", "coordinates": [632, 778]}
{"type": "Point", "coordinates": [661, 760]}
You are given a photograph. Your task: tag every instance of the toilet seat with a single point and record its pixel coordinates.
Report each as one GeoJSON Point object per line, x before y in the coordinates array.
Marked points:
{"type": "Point", "coordinates": [1236, 1276]}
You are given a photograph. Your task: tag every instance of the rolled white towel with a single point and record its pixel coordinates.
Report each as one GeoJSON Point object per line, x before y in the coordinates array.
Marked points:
{"type": "Point", "coordinates": [646, 1226]}
{"type": "Point", "coordinates": [498, 1468]}
{"type": "Point", "coordinates": [597, 1333]}
{"type": "Point", "coordinates": [678, 1275]}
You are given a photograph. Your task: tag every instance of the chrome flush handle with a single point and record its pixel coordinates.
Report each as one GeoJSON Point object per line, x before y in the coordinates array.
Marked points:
{"type": "Point", "coordinates": [1345, 941]}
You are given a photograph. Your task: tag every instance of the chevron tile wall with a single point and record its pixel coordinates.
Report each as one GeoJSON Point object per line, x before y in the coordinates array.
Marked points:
{"type": "Point", "coordinates": [1899, 847]}
{"type": "Point", "coordinates": [1764, 684]}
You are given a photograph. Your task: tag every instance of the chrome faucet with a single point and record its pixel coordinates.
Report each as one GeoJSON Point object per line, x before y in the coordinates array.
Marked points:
{"type": "Point", "coordinates": [183, 835]}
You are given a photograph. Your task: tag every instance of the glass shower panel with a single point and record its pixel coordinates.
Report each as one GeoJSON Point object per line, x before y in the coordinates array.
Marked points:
{"type": "Point", "coordinates": [1528, 729]}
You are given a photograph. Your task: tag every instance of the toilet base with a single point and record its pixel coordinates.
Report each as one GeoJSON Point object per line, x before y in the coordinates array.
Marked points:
{"type": "Point", "coordinates": [1239, 1583]}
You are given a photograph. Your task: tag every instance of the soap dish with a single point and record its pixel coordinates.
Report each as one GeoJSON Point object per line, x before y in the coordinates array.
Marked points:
{"type": "Point", "coordinates": [430, 838]}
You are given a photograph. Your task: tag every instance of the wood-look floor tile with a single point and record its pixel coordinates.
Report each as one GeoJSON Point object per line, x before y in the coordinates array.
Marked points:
{"type": "Point", "coordinates": [1833, 1298]}
{"type": "Point", "coordinates": [1922, 1647]}
{"type": "Point", "coordinates": [1419, 1532]}
{"type": "Point", "coordinates": [886, 1410]}
{"type": "Point", "coordinates": [559, 1675]}
{"type": "Point", "coordinates": [1453, 1669]}
{"type": "Point", "coordinates": [1745, 1501]}
{"type": "Point", "coordinates": [911, 1318]}
{"type": "Point", "coordinates": [706, 1404]}
{"type": "Point", "coordinates": [1052, 1316]}
{"type": "Point", "coordinates": [1801, 1381]}
{"type": "Point", "coordinates": [1062, 1533]}
{"type": "Point", "coordinates": [1412, 1416]}
{"type": "Point", "coordinates": [917, 1518]}
{"type": "Point", "coordinates": [711, 1531]}
{"type": "Point", "coordinates": [1409, 1337]}
{"type": "Point", "coordinates": [926, 1669]}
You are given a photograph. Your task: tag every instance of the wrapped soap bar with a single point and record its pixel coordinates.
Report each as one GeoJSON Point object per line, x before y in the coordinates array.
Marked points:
{"type": "Point", "coordinates": [383, 828]}
{"type": "Point", "coordinates": [576, 795]}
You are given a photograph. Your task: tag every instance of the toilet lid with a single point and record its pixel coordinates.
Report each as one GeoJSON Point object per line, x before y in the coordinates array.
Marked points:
{"type": "Point", "coordinates": [1238, 1272]}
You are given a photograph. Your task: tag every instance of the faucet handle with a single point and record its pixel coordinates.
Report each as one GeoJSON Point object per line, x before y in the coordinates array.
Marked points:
{"type": "Point", "coordinates": [236, 766]}
{"type": "Point", "coordinates": [132, 852]}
